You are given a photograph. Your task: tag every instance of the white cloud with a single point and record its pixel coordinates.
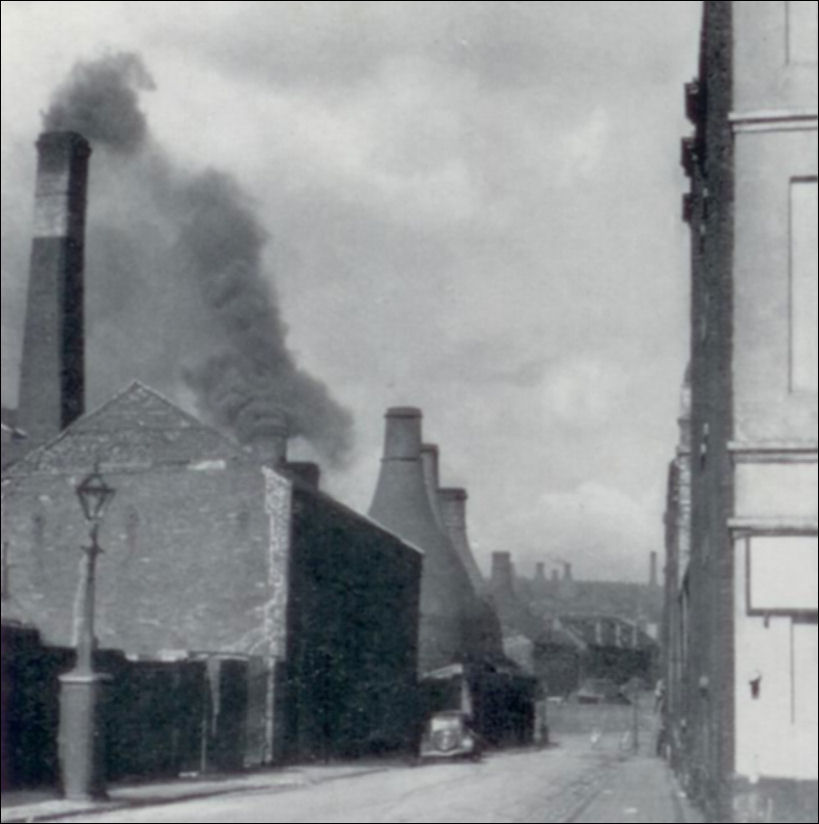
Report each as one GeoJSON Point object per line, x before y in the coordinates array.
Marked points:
{"type": "Point", "coordinates": [582, 391]}
{"type": "Point", "coordinates": [434, 175]}
{"type": "Point", "coordinates": [586, 146]}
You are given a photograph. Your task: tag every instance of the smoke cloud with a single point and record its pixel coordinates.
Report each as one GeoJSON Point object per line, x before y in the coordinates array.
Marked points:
{"type": "Point", "coordinates": [99, 99]}
{"type": "Point", "coordinates": [178, 293]}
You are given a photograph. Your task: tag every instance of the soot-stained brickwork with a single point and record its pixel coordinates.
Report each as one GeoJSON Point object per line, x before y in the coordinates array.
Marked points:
{"type": "Point", "coordinates": [353, 641]}
{"type": "Point", "coordinates": [210, 553]}
{"type": "Point", "coordinates": [186, 539]}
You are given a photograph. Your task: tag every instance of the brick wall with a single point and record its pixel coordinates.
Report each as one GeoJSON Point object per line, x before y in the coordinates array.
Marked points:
{"type": "Point", "coordinates": [353, 640]}
{"type": "Point", "coordinates": [157, 718]}
{"type": "Point", "coordinates": [184, 564]}
{"type": "Point", "coordinates": [186, 539]}
{"type": "Point", "coordinates": [207, 551]}
{"type": "Point", "coordinates": [708, 674]}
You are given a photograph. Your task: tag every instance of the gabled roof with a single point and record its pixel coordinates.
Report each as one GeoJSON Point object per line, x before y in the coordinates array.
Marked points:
{"type": "Point", "coordinates": [136, 428]}
{"type": "Point", "coordinates": [301, 490]}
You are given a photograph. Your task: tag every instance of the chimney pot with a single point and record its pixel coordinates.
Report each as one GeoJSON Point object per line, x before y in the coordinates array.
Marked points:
{"type": "Point", "coordinates": [263, 426]}
{"type": "Point", "coordinates": [306, 473]}
{"type": "Point", "coordinates": [402, 438]}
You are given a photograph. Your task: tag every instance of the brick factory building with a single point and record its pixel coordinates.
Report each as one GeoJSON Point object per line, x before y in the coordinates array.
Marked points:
{"type": "Point", "coordinates": [209, 553]}
{"type": "Point", "coordinates": [742, 606]}
{"type": "Point", "coordinates": [212, 551]}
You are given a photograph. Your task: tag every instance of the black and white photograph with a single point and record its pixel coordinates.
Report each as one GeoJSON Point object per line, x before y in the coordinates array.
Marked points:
{"type": "Point", "coordinates": [409, 411]}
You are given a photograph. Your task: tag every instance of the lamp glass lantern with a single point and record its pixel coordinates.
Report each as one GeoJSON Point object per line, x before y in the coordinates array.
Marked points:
{"type": "Point", "coordinates": [94, 495]}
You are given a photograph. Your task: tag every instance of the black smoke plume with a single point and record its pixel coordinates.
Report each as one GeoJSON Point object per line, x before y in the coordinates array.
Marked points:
{"type": "Point", "coordinates": [178, 293]}
{"type": "Point", "coordinates": [100, 100]}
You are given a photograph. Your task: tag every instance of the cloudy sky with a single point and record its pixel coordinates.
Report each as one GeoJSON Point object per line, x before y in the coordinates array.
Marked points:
{"type": "Point", "coordinates": [473, 208]}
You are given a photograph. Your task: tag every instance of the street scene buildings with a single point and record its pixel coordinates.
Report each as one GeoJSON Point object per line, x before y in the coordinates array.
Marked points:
{"type": "Point", "coordinates": [741, 576]}
{"type": "Point", "coordinates": [189, 611]}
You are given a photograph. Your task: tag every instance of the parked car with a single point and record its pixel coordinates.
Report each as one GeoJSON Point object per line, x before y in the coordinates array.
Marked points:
{"type": "Point", "coordinates": [600, 691]}
{"type": "Point", "coordinates": [448, 735]}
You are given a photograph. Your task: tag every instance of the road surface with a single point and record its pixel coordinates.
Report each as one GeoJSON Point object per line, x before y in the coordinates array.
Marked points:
{"type": "Point", "coordinates": [580, 780]}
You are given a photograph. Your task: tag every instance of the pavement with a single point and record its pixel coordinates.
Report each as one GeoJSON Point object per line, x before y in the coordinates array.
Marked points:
{"type": "Point", "coordinates": [638, 788]}
{"type": "Point", "coordinates": [35, 805]}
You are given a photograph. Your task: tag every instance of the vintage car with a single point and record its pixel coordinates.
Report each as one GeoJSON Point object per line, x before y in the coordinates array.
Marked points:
{"type": "Point", "coordinates": [447, 735]}
{"type": "Point", "coordinates": [600, 691]}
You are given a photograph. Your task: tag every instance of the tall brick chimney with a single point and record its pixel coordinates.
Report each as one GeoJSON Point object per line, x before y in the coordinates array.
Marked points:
{"type": "Point", "coordinates": [401, 503]}
{"type": "Point", "coordinates": [52, 375]}
{"type": "Point", "coordinates": [652, 575]}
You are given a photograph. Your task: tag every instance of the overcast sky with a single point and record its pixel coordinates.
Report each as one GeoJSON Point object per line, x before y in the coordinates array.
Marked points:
{"type": "Point", "coordinates": [473, 208]}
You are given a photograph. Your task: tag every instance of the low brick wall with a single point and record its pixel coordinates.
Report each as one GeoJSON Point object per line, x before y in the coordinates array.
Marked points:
{"type": "Point", "coordinates": [159, 718]}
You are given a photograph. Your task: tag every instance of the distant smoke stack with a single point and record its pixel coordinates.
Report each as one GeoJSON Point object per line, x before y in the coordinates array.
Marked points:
{"type": "Point", "coordinates": [652, 575]}
{"type": "Point", "coordinates": [402, 504]}
{"type": "Point", "coordinates": [567, 571]}
{"type": "Point", "coordinates": [540, 572]}
{"type": "Point", "coordinates": [502, 580]}
{"type": "Point", "coordinates": [453, 511]}
{"type": "Point", "coordinates": [52, 375]}
{"type": "Point", "coordinates": [305, 473]}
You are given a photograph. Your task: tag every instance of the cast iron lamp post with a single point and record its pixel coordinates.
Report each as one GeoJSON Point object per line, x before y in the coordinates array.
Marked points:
{"type": "Point", "coordinates": [80, 739]}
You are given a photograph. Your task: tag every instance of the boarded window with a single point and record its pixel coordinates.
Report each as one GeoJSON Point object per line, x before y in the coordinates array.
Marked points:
{"type": "Point", "coordinates": [782, 573]}
{"type": "Point", "coordinates": [804, 262]}
{"type": "Point", "coordinates": [805, 685]}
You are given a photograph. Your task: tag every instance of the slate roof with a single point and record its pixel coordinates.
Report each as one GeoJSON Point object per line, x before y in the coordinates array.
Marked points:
{"type": "Point", "coordinates": [136, 428]}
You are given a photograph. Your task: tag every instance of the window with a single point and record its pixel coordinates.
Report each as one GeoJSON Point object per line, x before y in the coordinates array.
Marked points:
{"type": "Point", "coordinates": [782, 574]}
{"type": "Point", "coordinates": [802, 31]}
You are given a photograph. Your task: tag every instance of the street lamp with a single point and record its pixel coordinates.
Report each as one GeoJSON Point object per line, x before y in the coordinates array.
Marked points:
{"type": "Point", "coordinates": [80, 738]}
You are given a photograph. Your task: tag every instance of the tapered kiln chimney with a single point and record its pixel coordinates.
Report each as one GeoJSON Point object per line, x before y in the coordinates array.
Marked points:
{"type": "Point", "coordinates": [432, 477]}
{"type": "Point", "coordinates": [52, 375]}
{"type": "Point", "coordinates": [402, 504]}
{"type": "Point", "coordinates": [487, 634]}
{"type": "Point", "coordinates": [452, 504]}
